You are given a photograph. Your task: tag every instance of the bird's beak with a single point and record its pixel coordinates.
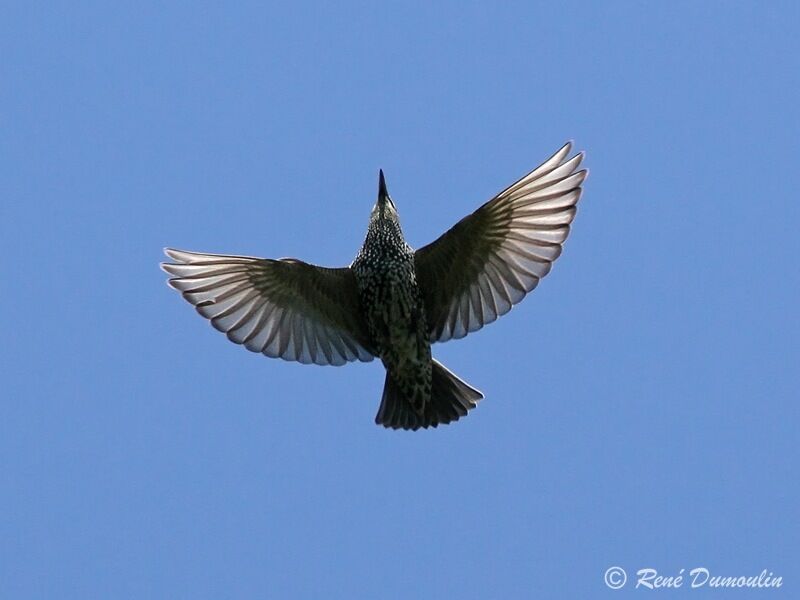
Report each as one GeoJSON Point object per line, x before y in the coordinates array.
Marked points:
{"type": "Point", "coordinates": [384, 203]}
{"type": "Point", "coordinates": [383, 194]}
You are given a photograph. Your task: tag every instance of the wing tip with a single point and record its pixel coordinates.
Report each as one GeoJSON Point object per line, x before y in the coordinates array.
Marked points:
{"type": "Point", "coordinates": [166, 267]}
{"type": "Point", "coordinates": [170, 252]}
{"type": "Point", "coordinates": [567, 147]}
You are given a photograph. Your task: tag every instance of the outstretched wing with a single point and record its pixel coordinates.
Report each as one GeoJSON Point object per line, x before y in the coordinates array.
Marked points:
{"type": "Point", "coordinates": [492, 258]}
{"type": "Point", "coordinates": [283, 308]}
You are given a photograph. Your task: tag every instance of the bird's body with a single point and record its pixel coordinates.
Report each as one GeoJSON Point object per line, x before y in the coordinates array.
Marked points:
{"type": "Point", "coordinates": [392, 307]}
{"type": "Point", "coordinates": [393, 302]}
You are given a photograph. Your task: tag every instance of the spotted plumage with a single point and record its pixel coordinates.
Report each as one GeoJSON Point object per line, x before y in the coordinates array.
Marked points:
{"type": "Point", "coordinates": [391, 303]}
{"type": "Point", "coordinates": [394, 302]}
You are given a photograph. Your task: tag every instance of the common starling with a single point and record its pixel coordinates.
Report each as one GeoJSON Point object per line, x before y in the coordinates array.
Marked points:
{"type": "Point", "coordinates": [393, 302]}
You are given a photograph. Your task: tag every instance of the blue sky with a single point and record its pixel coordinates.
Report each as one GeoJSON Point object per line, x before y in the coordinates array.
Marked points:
{"type": "Point", "coordinates": [641, 406]}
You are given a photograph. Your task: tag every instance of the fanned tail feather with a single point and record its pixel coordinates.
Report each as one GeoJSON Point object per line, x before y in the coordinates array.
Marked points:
{"type": "Point", "coordinates": [451, 399]}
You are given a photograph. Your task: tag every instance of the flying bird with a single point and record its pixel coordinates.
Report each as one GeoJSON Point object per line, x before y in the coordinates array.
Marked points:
{"type": "Point", "coordinates": [393, 302]}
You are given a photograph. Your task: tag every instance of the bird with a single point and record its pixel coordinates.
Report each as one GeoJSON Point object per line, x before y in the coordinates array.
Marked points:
{"type": "Point", "coordinates": [394, 302]}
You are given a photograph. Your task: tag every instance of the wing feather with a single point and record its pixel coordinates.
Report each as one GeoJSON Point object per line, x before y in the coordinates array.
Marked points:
{"type": "Point", "coordinates": [282, 308]}
{"type": "Point", "coordinates": [484, 265]}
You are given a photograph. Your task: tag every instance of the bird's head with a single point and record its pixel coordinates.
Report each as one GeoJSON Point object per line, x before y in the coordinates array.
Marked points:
{"type": "Point", "coordinates": [384, 208]}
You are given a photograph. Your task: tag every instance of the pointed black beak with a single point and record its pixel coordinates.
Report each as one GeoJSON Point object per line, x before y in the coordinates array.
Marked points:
{"type": "Point", "coordinates": [383, 194]}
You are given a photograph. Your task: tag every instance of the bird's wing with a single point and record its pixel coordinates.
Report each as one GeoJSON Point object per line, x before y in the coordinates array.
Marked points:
{"type": "Point", "coordinates": [490, 259]}
{"type": "Point", "coordinates": [283, 308]}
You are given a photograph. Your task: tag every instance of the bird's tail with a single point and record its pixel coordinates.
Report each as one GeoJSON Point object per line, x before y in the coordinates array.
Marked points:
{"type": "Point", "coordinates": [451, 398]}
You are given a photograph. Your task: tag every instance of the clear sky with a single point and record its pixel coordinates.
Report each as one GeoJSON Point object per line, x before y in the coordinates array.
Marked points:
{"type": "Point", "coordinates": [641, 405]}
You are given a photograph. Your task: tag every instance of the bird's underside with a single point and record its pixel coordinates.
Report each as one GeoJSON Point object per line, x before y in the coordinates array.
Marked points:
{"type": "Point", "coordinates": [393, 302]}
